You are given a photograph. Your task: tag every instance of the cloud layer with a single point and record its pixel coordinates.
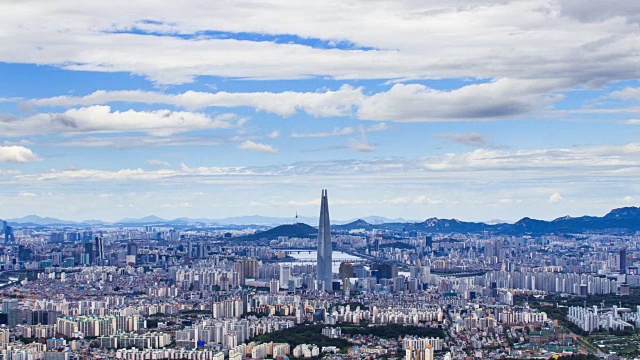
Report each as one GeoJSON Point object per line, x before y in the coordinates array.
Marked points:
{"type": "Point", "coordinates": [169, 44]}
{"type": "Point", "coordinates": [500, 99]}
{"type": "Point", "coordinates": [101, 119]}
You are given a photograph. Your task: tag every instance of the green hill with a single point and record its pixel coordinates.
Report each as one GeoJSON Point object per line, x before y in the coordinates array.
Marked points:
{"type": "Point", "coordinates": [290, 230]}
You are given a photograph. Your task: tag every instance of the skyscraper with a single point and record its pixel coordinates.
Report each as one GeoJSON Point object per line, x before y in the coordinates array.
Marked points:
{"type": "Point", "coordinates": [8, 232]}
{"type": "Point", "coordinates": [5, 232]}
{"type": "Point", "coordinates": [88, 254]}
{"type": "Point", "coordinates": [99, 248]}
{"type": "Point", "coordinates": [623, 260]}
{"type": "Point", "coordinates": [324, 246]}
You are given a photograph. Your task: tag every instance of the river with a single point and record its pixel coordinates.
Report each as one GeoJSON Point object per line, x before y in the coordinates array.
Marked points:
{"type": "Point", "coordinates": [310, 257]}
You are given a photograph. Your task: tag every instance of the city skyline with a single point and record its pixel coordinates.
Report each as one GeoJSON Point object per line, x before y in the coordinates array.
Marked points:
{"type": "Point", "coordinates": [446, 111]}
{"type": "Point", "coordinates": [160, 162]}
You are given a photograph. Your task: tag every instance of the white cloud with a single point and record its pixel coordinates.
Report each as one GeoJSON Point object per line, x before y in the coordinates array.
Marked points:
{"type": "Point", "coordinates": [334, 132]}
{"type": "Point", "coordinates": [18, 154]}
{"type": "Point", "coordinates": [426, 201]}
{"type": "Point", "coordinates": [471, 139]}
{"type": "Point", "coordinates": [361, 145]}
{"type": "Point", "coordinates": [27, 194]}
{"type": "Point", "coordinates": [598, 177]}
{"type": "Point", "coordinates": [607, 163]}
{"type": "Point", "coordinates": [558, 40]}
{"type": "Point", "coordinates": [21, 142]}
{"type": "Point", "coordinates": [628, 199]}
{"type": "Point", "coordinates": [398, 201]}
{"type": "Point", "coordinates": [500, 99]}
{"type": "Point", "coordinates": [481, 39]}
{"type": "Point", "coordinates": [132, 141]}
{"type": "Point", "coordinates": [255, 146]}
{"type": "Point", "coordinates": [341, 131]}
{"type": "Point", "coordinates": [555, 198]}
{"type": "Point", "coordinates": [627, 93]}
{"type": "Point", "coordinates": [178, 206]}
{"type": "Point", "coordinates": [101, 119]}
{"type": "Point", "coordinates": [587, 157]}
{"type": "Point", "coordinates": [158, 163]}
{"type": "Point", "coordinates": [319, 104]}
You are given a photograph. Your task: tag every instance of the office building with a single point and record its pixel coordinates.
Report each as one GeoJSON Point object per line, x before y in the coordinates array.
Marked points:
{"type": "Point", "coordinates": [88, 254]}
{"type": "Point", "coordinates": [8, 233]}
{"type": "Point", "coordinates": [132, 249]}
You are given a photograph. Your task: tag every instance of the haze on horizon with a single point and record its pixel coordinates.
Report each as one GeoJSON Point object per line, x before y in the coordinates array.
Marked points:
{"type": "Point", "coordinates": [471, 110]}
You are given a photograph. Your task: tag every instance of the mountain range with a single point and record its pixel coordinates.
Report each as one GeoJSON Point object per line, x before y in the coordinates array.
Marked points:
{"type": "Point", "coordinates": [34, 220]}
{"type": "Point", "coordinates": [623, 221]}
{"type": "Point", "coordinates": [619, 221]}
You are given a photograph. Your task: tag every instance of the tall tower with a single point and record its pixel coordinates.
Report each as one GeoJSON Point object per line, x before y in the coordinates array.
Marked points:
{"type": "Point", "coordinates": [324, 246]}
{"type": "Point", "coordinates": [623, 260]}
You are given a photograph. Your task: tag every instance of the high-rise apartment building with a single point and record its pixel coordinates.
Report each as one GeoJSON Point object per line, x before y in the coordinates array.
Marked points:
{"type": "Point", "coordinates": [99, 248]}
{"type": "Point", "coordinates": [247, 269]}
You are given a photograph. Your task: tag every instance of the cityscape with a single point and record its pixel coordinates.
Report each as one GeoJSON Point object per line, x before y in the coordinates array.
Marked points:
{"type": "Point", "coordinates": [319, 180]}
{"type": "Point", "coordinates": [209, 291]}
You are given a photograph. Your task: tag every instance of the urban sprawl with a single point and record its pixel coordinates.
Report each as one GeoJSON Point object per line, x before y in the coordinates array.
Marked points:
{"type": "Point", "coordinates": [212, 292]}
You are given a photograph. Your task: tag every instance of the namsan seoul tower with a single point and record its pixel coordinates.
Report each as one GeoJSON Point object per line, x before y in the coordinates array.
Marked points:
{"type": "Point", "coordinates": [324, 246]}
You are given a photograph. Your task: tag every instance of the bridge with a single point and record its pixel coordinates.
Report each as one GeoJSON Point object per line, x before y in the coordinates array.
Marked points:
{"type": "Point", "coordinates": [335, 261]}
{"type": "Point", "coordinates": [297, 250]}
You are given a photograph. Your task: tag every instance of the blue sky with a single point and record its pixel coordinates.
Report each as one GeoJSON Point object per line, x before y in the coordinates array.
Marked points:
{"type": "Point", "coordinates": [490, 110]}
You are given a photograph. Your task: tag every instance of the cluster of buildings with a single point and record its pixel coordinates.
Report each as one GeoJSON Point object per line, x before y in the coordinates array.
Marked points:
{"type": "Point", "coordinates": [158, 292]}
{"type": "Point", "coordinates": [597, 319]}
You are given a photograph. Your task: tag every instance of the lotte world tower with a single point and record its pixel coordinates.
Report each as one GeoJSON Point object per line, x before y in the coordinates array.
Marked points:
{"type": "Point", "coordinates": [324, 246]}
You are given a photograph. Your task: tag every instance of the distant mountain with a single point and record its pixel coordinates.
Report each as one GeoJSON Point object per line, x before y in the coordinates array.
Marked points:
{"type": "Point", "coordinates": [37, 220]}
{"type": "Point", "coordinates": [192, 221]}
{"type": "Point", "coordinates": [300, 230]}
{"type": "Point", "coordinates": [93, 222]}
{"type": "Point", "coordinates": [618, 221]}
{"type": "Point", "coordinates": [263, 220]}
{"type": "Point", "coordinates": [34, 220]}
{"type": "Point", "coordinates": [495, 222]}
{"type": "Point", "coordinates": [356, 225]}
{"type": "Point", "coordinates": [621, 221]}
{"type": "Point", "coordinates": [375, 220]}
{"type": "Point", "coordinates": [624, 213]}
{"type": "Point", "coordinates": [151, 219]}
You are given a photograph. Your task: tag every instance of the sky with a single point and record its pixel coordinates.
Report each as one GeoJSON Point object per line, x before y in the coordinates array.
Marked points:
{"type": "Point", "coordinates": [476, 110]}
